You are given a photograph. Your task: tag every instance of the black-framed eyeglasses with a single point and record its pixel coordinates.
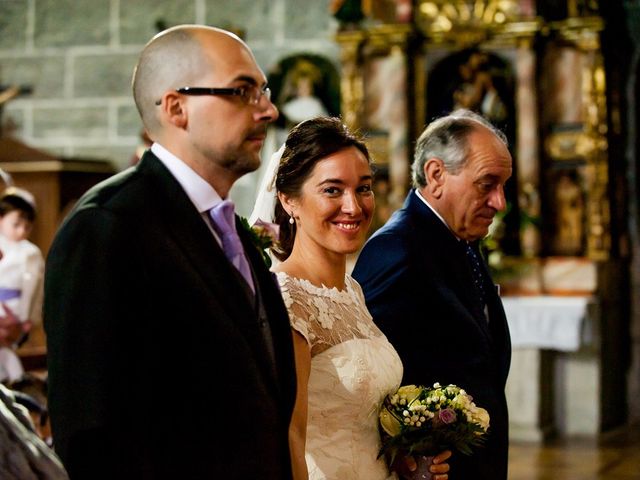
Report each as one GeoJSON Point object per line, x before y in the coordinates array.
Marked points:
{"type": "Point", "coordinates": [250, 94]}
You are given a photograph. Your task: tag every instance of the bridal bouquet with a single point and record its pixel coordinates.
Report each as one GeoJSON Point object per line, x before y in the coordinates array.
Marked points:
{"type": "Point", "coordinates": [425, 421]}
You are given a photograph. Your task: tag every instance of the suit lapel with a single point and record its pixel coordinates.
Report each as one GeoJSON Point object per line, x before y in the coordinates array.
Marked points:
{"type": "Point", "coordinates": [282, 366]}
{"type": "Point", "coordinates": [187, 228]}
{"type": "Point", "coordinates": [430, 231]}
{"type": "Point", "coordinates": [455, 267]}
{"type": "Point", "coordinates": [497, 326]}
{"type": "Point", "coordinates": [263, 286]}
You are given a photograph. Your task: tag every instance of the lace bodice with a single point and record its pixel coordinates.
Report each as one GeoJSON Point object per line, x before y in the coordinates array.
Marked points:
{"type": "Point", "coordinates": [353, 367]}
{"type": "Point", "coordinates": [327, 316]}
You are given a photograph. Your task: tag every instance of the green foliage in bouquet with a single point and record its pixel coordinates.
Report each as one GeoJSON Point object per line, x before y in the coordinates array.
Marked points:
{"type": "Point", "coordinates": [418, 420]}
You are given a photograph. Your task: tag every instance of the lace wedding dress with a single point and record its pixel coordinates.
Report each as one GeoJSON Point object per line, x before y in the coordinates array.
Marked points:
{"type": "Point", "coordinates": [353, 367]}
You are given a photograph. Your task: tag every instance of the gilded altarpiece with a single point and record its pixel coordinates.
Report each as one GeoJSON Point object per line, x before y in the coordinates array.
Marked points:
{"type": "Point", "coordinates": [543, 83]}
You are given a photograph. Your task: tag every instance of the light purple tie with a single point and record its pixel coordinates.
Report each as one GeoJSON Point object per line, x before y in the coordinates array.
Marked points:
{"type": "Point", "coordinates": [225, 225]}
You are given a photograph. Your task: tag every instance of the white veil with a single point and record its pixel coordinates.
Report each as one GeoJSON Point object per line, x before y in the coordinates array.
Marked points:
{"type": "Point", "coordinates": [267, 196]}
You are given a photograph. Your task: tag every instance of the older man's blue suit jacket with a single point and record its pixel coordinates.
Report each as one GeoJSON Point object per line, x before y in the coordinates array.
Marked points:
{"type": "Point", "coordinates": [418, 286]}
{"type": "Point", "coordinates": [158, 363]}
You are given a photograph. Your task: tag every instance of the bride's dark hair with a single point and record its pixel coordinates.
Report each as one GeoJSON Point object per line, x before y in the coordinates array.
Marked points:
{"type": "Point", "coordinates": [308, 143]}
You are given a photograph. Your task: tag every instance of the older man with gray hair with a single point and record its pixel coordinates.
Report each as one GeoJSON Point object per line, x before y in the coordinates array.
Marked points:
{"type": "Point", "coordinates": [427, 286]}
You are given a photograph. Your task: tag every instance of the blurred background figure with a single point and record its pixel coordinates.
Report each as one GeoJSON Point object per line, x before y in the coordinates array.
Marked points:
{"type": "Point", "coordinates": [21, 274]}
{"type": "Point", "coordinates": [23, 455]}
{"type": "Point", "coordinates": [298, 100]}
{"type": "Point", "coordinates": [30, 391]}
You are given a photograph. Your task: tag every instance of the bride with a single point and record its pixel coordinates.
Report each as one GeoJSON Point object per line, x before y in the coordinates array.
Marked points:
{"type": "Point", "coordinates": [345, 365]}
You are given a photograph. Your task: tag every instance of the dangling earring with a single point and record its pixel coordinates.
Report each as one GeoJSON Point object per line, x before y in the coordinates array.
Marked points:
{"type": "Point", "coordinates": [291, 220]}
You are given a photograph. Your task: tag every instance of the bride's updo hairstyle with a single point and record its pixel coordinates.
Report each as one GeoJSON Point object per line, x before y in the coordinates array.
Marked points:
{"type": "Point", "coordinates": [308, 143]}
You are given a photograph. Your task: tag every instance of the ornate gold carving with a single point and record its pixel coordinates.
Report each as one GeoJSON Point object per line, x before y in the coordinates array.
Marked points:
{"type": "Point", "coordinates": [583, 32]}
{"type": "Point", "coordinates": [570, 145]}
{"type": "Point", "coordinates": [581, 7]}
{"type": "Point", "coordinates": [382, 38]}
{"type": "Point", "coordinates": [386, 47]}
{"type": "Point", "coordinates": [351, 80]}
{"type": "Point", "coordinates": [496, 24]}
{"type": "Point", "coordinates": [444, 16]}
{"type": "Point", "coordinates": [472, 21]}
{"type": "Point", "coordinates": [589, 144]}
{"type": "Point", "coordinates": [598, 208]}
{"type": "Point", "coordinates": [354, 45]}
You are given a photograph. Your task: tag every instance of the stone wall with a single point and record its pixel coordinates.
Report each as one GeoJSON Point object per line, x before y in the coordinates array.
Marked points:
{"type": "Point", "coordinates": [78, 56]}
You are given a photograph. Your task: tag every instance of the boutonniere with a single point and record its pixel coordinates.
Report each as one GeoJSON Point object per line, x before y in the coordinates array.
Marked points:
{"type": "Point", "coordinates": [264, 235]}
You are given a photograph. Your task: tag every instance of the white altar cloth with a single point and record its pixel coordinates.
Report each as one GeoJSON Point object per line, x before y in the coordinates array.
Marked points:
{"type": "Point", "coordinates": [546, 322]}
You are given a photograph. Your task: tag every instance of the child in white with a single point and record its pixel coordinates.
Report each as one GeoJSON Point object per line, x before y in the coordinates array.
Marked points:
{"type": "Point", "coordinates": [21, 270]}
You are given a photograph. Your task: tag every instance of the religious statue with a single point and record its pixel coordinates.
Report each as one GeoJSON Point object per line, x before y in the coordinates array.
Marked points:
{"type": "Point", "coordinates": [298, 100]}
{"type": "Point", "coordinates": [569, 211]}
{"type": "Point", "coordinates": [477, 91]}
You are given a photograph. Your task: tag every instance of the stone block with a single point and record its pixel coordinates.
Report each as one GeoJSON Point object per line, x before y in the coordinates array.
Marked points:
{"type": "Point", "coordinates": [312, 20]}
{"type": "Point", "coordinates": [103, 75]}
{"type": "Point", "coordinates": [578, 388]}
{"type": "Point", "coordinates": [13, 24]}
{"type": "Point", "coordinates": [53, 27]}
{"type": "Point", "coordinates": [44, 74]}
{"type": "Point", "coordinates": [118, 155]}
{"type": "Point", "coordinates": [13, 122]}
{"type": "Point", "coordinates": [242, 194]}
{"type": "Point", "coordinates": [139, 20]}
{"type": "Point", "coordinates": [268, 57]}
{"type": "Point", "coordinates": [55, 151]}
{"type": "Point", "coordinates": [70, 122]}
{"type": "Point", "coordinates": [129, 122]}
{"type": "Point", "coordinates": [528, 419]}
{"type": "Point", "coordinates": [255, 17]}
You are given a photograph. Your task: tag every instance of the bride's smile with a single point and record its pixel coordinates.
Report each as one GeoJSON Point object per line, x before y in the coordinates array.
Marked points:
{"type": "Point", "coordinates": [345, 366]}
{"type": "Point", "coordinates": [335, 209]}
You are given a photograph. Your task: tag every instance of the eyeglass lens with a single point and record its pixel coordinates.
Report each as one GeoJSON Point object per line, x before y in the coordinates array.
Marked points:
{"type": "Point", "coordinates": [253, 94]}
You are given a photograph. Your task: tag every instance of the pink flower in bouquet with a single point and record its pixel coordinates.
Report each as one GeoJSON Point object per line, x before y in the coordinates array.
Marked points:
{"type": "Point", "coordinates": [447, 415]}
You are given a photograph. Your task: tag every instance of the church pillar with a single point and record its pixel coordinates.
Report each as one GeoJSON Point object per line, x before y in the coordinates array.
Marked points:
{"type": "Point", "coordinates": [527, 157]}
{"type": "Point", "coordinates": [633, 167]}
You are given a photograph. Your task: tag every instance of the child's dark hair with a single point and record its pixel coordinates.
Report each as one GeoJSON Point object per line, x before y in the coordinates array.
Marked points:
{"type": "Point", "coordinates": [307, 144]}
{"type": "Point", "coordinates": [10, 202]}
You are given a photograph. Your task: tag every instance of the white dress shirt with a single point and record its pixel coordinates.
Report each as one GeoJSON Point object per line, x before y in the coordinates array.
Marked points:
{"type": "Point", "coordinates": [203, 196]}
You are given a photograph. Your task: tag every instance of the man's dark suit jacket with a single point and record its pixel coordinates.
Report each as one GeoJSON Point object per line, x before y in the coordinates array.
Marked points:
{"type": "Point", "coordinates": [418, 286]}
{"type": "Point", "coordinates": [158, 366]}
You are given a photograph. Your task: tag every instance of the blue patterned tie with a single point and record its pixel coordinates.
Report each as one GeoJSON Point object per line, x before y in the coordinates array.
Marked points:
{"type": "Point", "coordinates": [476, 269]}
{"type": "Point", "coordinates": [224, 223]}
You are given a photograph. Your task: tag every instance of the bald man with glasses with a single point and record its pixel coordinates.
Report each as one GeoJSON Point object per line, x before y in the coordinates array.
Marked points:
{"type": "Point", "coordinates": [170, 353]}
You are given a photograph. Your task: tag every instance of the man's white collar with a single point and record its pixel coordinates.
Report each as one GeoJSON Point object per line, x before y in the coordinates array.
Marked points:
{"type": "Point", "coordinates": [201, 193]}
